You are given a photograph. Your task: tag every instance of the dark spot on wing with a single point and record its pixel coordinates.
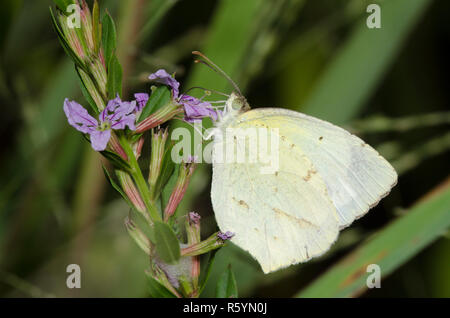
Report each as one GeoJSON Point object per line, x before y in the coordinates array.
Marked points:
{"type": "Point", "coordinates": [243, 203]}
{"type": "Point", "coordinates": [321, 138]}
{"type": "Point", "coordinates": [310, 173]}
{"type": "Point", "coordinates": [302, 222]}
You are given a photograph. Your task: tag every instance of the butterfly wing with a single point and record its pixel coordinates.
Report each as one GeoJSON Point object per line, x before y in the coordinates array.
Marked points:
{"type": "Point", "coordinates": [356, 176]}
{"type": "Point", "coordinates": [281, 218]}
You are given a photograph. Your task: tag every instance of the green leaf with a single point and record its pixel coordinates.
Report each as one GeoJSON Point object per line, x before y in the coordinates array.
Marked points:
{"type": "Point", "coordinates": [207, 270]}
{"type": "Point", "coordinates": [135, 137]}
{"type": "Point", "coordinates": [159, 98]}
{"type": "Point", "coordinates": [114, 85]}
{"type": "Point", "coordinates": [138, 236]}
{"type": "Point", "coordinates": [116, 160]}
{"type": "Point", "coordinates": [63, 4]}
{"type": "Point", "coordinates": [168, 188]}
{"type": "Point", "coordinates": [109, 37]}
{"type": "Point", "coordinates": [226, 286]}
{"type": "Point", "coordinates": [156, 290]}
{"type": "Point", "coordinates": [167, 244]}
{"type": "Point", "coordinates": [389, 248]}
{"type": "Point", "coordinates": [116, 186]}
{"type": "Point", "coordinates": [143, 224]}
{"type": "Point", "coordinates": [167, 169]}
{"type": "Point", "coordinates": [85, 91]}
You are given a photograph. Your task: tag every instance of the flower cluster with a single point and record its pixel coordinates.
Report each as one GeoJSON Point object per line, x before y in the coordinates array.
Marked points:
{"type": "Point", "coordinates": [225, 236]}
{"type": "Point", "coordinates": [120, 130]}
{"type": "Point", "coordinates": [119, 114]}
{"type": "Point", "coordinates": [116, 116]}
{"type": "Point", "coordinates": [194, 108]}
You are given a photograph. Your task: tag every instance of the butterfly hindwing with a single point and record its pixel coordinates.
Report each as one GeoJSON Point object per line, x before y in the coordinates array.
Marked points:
{"type": "Point", "coordinates": [281, 218]}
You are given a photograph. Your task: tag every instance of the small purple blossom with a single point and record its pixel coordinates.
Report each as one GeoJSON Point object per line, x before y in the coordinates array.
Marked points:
{"type": "Point", "coordinates": [194, 108]}
{"type": "Point", "coordinates": [191, 159]}
{"type": "Point", "coordinates": [117, 115]}
{"type": "Point", "coordinates": [225, 236]}
{"type": "Point", "coordinates": [161, 76]}
{"type": "Point", "coordinates": [141, 99]}
{"type": "Point", "coordinates": [194, 218]}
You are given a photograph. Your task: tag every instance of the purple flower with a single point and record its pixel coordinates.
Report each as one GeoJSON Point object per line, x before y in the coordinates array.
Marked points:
{"type": "Point", "coordinates": [161, 76]}
{"type": "Point", "coordinates": [194, 218]}
{"type": "Point", "coordinates": [191, 159]}
{"type": "Point", "coordinates": [141, 99]}
{"type": "Point", "coordinates": [194, 108]}
{"type": "Point", "coordinates": [117, 115]}
{"type": "Point", "coordinates": [225, 236]}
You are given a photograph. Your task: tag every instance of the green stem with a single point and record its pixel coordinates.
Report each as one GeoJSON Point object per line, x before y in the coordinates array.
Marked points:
{"type": "Point", "coordinates": [136, 173]}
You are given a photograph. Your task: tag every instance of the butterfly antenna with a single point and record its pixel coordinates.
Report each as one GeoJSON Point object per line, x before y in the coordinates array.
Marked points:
{"type": "Point", "coordinates": [216, 69]}
{"type": "Point", "coordinates": [206, 91]}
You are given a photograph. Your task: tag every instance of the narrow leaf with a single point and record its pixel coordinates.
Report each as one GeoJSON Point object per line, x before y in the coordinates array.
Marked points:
{"type": "Point", "coordinates": [85, 91]}
{"type": "Point", "coordinates": [167, 169]}
{"type": "Point", "coordinates": [159, 98]}
{"type": "Point", "coordinates": [167, 244]}
{"type": "Point", "coordinates": [226, 286]}
{"type": "Point", "coordinates": [109, 37]}
{"type": "Point", "coordinates": [116, 186]}
{"type": "Point", "coordinates": [63, 4]}
{"type": "Point", "coordinates": [114, 85]}
{"type": "Point", "coordinates": [116, 160]}
{"type": "Point", "coordinates": [168, 188]}
{"type": "Point", "coordinates": [156, 290]}
{"type": "Point", "coordinates": [207, 270]}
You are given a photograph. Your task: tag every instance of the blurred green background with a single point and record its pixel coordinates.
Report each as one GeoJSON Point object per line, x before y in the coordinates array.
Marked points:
{"type": "Point", "coordinates": [388, 85]}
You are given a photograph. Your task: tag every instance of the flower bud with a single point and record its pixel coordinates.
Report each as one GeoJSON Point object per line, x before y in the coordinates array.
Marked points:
{"type": "Point", "coordinates": [141, 240]}
{"type": "Point", "coordinates": [159, 139]}
{"type": "Point", "coordinates": [137, 147]}
{"type": "Point", "coordinates": [86, 26]}
{"type": "Point", "coordinates": [131, 191]}
{"type": "Point", "coordinates": [72, 36]}
{"type": "Point", "coordinates": [186, 170]}
{"type": "Point", "coordinates": [211, 243]}
{"type": "Point", "coordinates": [193, 237]}
{"type": "Point", "coordinates": [159, 117]}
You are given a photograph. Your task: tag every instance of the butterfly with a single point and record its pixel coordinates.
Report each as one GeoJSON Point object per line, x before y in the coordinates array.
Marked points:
{"type": "Point", "coordinates": [325, 179]}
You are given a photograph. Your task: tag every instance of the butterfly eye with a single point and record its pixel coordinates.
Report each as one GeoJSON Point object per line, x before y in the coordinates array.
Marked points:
{"type": "Point", "coordinates": [237, 104]}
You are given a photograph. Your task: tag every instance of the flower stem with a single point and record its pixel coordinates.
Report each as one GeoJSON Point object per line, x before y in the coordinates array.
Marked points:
{"type": "Point", "coordinates": [136, 173]}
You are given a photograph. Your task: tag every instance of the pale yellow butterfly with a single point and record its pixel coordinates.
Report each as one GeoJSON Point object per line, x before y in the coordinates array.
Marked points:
{"type": "Point", "coordinates": [326, 179]}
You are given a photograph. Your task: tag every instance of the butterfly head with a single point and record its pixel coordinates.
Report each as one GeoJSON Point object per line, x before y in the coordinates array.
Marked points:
{"type": "Point", "coordinates": [236, 103]}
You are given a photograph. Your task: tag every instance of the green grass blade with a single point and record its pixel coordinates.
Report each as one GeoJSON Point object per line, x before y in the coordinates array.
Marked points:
{"type": "Point", "coordinates": [230, 34]}
{"type": "Point", "coordinates": [361, 63]}
{"type": "Point", "coordinates": [389, 248]}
